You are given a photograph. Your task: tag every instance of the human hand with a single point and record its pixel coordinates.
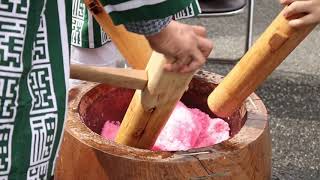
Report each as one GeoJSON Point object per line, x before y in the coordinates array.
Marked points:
{"type": "Point", "coordinates": [311, 9]}
{"type": "Point", "coordinates": [185, 46]}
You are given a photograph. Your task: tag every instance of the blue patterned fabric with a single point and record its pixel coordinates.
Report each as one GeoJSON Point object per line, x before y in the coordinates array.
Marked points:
{"type": "Point", "coordinates": [149, 27]}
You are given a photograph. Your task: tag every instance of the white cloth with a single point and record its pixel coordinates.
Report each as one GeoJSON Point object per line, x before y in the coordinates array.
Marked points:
{"type": "Point", "coordinates": [106, 55]}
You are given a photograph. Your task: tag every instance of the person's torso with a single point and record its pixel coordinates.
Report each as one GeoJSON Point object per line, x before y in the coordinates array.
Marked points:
{"type": "Point", "coordinates": [34, 68]}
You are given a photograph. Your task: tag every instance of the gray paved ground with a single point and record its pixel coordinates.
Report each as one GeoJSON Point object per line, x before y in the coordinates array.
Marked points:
{"type": "Point", "coordinates": [291, 93]}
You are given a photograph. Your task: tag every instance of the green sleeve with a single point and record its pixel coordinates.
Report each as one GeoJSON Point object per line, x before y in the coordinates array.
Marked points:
{"type": "Point", "coordinates": [87, 33]}
{"type": "Point", "coordinates": [124, 11]}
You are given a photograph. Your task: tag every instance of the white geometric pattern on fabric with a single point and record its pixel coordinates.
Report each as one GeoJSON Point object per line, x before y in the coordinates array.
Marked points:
{"type": "Point", "coordinates": [6, 131]}
{"type": "Point", "coordinates": [38, 172]}
{"type": "Point", "coordinates": [44, 117]}
{"type": "Point", "coordinates": [9, 85]}
{"type": "Point", "coordinates": [40, 84]}
{"type": "Point", "coordinates": [33, 128]}
{"type": "Point", "coordinates": [43, 130]}
{"type": "Point", "coordinates": [14, 8]}
{"type": "Point", "coordinates": [104, 37]}
{"type": "Point", "coordinates": [13, 20]}
{"type": "Point", "coordinates": [76, 35]}
{"type": "Point", "coordinates": [185, 13]}
{"type": "Point", "coordinates": [85, 32]}
{"type": "Point", "coordinates": [12, 33]}
{"type": "Point", "coordinates": [132, 4]}
{"type": "Point", "coordinates": [78, 9]}
{"type": "Point", "coordinates": [40, 51]}
{"type": "Point", "coordinates": [78, 12]}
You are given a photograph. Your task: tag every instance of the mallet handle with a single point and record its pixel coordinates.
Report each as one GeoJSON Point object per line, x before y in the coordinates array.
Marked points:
{"type": "Point", "coordinates": [151, 108]}
{"type": "Point", "coordinates": [274, 45]}
{"type": "Point", "coordinates": [118, 77]}
{"type": "Point", "coordinates": [134, 48]}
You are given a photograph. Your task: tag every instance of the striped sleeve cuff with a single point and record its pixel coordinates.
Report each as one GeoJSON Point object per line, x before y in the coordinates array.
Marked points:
{"type": "Point", "coordinates": [148, 27]}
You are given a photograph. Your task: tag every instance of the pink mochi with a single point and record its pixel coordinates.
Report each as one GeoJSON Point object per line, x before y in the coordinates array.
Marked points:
{"type": "Point", "coordinates": [110, 129]}
{"type": "Point", "coordinates": [181, 131]}
{"type": "Point", "coordinates": [185, 129]}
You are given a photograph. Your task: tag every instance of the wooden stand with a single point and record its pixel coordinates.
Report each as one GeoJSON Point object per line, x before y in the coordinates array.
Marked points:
{"type": "Point", "coordinates": [86, 155]}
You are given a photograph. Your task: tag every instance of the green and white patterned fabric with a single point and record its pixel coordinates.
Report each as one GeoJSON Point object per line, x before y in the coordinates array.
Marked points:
{"type": "Point", "coordinates": [87, 33]}
{"type": "Point", "coordinates": [34, 69]}
{"type": "Point", "coordinates": [124, 11]}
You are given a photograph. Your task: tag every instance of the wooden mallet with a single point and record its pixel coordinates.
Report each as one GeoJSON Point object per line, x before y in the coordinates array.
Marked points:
{"type": "Point", "coordinates": [151, 107]}
{"type": "Point", "coordinates": [267, 53]}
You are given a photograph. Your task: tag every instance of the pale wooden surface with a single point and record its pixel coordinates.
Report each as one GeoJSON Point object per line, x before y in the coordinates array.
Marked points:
{"type": "Point", "coordinates": [85, 155]}
{"type": "Point", "coordinates": [274, 45]}
{"type": "Point", "coordinates": [118, 77]}
{"type": "Point", "coordinates": [150, 109]}
{"type": "Point", "coordinates": [134, 48]}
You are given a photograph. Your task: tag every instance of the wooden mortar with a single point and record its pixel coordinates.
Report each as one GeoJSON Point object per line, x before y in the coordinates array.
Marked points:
{"type": "Point", "coordinates": [86, 155]}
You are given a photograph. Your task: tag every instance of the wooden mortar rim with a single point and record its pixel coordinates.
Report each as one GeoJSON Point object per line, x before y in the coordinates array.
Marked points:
{"type": "Point", "coordinates": [255, 125]}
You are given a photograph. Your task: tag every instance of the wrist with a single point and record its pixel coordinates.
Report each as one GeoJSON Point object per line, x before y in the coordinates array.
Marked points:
{"type": "Point", "coordinates": [148, 27]}
{"type": "Point", "coordinates": [162, 36]}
